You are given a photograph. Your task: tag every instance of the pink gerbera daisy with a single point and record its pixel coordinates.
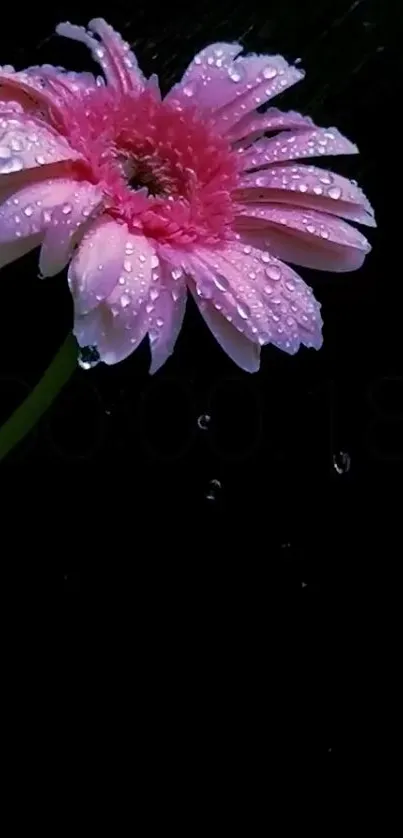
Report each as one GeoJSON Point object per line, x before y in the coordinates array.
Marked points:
{"type": "Point", "coordinates": [148, 198]}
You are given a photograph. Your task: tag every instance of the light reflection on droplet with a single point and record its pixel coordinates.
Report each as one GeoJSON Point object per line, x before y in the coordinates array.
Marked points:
{"type": "Point", "coordinates": [203, 421]}
{"type": "Point", "coordinates": [341, 462]}
{"type": "Point", "coordinates": [214, 488]}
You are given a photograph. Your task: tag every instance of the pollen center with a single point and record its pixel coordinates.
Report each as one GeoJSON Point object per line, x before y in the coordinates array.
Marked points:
{"type": "Point", "coordinates": [162, 167]}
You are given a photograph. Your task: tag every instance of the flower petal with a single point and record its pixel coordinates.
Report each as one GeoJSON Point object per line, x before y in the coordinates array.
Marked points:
{"type": "Point", "coordinates": [120, 322]}
{"type": "Point", "coordinates": [206, 80]}
{"type": "Point", "coordinates": [166, 310]}
{"type": "Point", "coordinates": [288, 146]}
{"type": "Point", "coordinates": [272, 120]}
{"type": "Point", "coordinates": [26, 144]}
{"type": "Point", "coordinates": [11, 251]}
{"type": "Point", "coordinates": [291, 311]}
{"type": "Point", "coordinates": [28, 211]}
{"type": "Point", "coordinates": [67, 225]}
{"type": "Point", "coordinates": [239, 348]}
{"type": "Point", "coordinates": [258, 78]}
{"type": "Point", "coordinates": [307, 186]}
{"type": "Point", "coordinates": [224, 279]}
{"type": "Point", "coordinates": [165, 322]}
{"type": "Point", "coordinates": [111, 52]}
{"type": "Point", "coordinates": [98, 263]}
{"type": "Point", "coordinates": [305, 237]}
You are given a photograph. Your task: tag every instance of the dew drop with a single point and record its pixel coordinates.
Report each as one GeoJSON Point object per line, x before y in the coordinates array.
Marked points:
{"type": "Point", "coordinates": [269, 73]}
{"type": "Point", "coordinates": [40, 160]}
{"type": "Point", "coordinates": [127, 265]}
{"type": "Point", "coordinates": [125, 300]}
{"type": "Point", "coordinates": [203, 421]}
{"type": "Point", "coordinates": [247, 249]}
{"type": "Point", "coordinates": [154, 294]}
{"type": "Point", "coordinates": [160, 322]}
{"type": "Point", "coordinates": [66, 209]}
{"type": "Point", "coordinates": [324, 234]}
{"type": "Point", "coordinates": [234, 74]}
{"type": "Point", "coordinates": [273, 272]}
{"type": "Point", "coordinates": [88, 357]}
{"type": "Point", "coordinates": [334, 192]}
{"type": "Point", "coordinates": [265, 256]}
{"type": "Point", "coordinates": [221, 283]}
{"type": "Point", "coordinates": [303, 187]}
{"type": "Point", "coordinates": [28, 210]}
{"type": "Point", "coordinates": [243, 311]}
{"type": "Point", "coordinates": [341, 462]}
{"type": "Point", "coordinates": [121, 280]}
{"type": "Point", "coordinates": [176, 273]}
{"type": "Point", "coordinates": [310, 228]}
{"type": "Point", "coordinates": [189, 90]}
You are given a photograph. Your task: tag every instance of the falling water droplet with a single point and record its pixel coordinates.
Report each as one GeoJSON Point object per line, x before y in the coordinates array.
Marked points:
{"type": "Point", "coordinates": [213, 490]}
{"type": "Point", "coordinates": [341, 462]}
{"type": "Point", "coordinates": [88, 357]}
{"type": "Point", "coordinates": [203, 421]}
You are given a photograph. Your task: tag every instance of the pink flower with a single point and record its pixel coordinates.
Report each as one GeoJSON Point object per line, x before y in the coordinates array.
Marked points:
{"type": "Point", "coordinates": [148, 198]}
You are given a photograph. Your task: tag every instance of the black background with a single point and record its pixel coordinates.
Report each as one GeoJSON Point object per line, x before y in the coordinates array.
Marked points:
{"type": "Point", "coordinates": [253, 515]}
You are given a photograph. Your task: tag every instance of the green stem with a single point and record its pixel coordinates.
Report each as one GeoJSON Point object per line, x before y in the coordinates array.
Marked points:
{"type": "Point", "coordinates": [30, 411]}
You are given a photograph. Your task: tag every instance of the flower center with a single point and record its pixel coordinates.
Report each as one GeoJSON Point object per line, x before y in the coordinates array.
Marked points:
{"type": "Point", "coordinates": [163, 170]}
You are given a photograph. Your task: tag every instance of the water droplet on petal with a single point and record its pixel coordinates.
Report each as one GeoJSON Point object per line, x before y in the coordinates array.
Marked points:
{"type": "Point", "coordinates": [28, 210]}
{"type": "Point", "coordinates": [125, 300]}
{"type": "Point", "coordinates": [203, 421]}
{"type": "Point", "coordinates": [334, 192]}
{"type": "Point", "coordinates": [88, 357]}
{"type": "Point", "coordinates": [243, 311]}
{"type": "Point", "coordinates": [66, 209]}
{"type": "Point", "coordinates": [189, 90]}
{"type": "Point", "coordinates": [273, 272]}
{"type": "Point", "coordinates": [269, 72]}
{"type": "Point", "coordinates": [234, 73]}
{"type": "Point", "coordinates": [160, 322]}
{"type": "Point", "coordinates": [341, 462]}
{"type": "Point", "coordinates": [154, 294]}
{"type": "Point", "coordinates": [265, 257]}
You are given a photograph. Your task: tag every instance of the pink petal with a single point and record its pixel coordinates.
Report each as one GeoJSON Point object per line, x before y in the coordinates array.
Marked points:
{"type": "Point", "coordinates": [98, 263]}
{"type": "Point", "coordinates": [11, 251]}
{"type": "Point", "coordinates": [113, 54]}
{"type": "Point", "coordinates": [26, 144]}
{"type": "Point", "coordinates": [114, 340]}
{"type": "Point", "coordinates": [66, 226]}
{"type": "Point", "coordinates": [305, 237]}
{"type": "Point", "coordinates": [165, 322]}
{"type": "Point", "coordinates": [239, 348]}
{"type": "Point", "coordinates": [225, 279]}
{"type": "Point", "coordinates": [76, 83]}
{"type": "Point", "coordinates": [121, 321]}
{"type": "Point", "coordinates": [307, 186]}
{"type": "Point", "coordinates": [289, 146]}
{"type": "Point", "coordinates": [291, 312]}
{"type": "Point", "coordinates": [206, 80]}
{"type": "Point", "coordinates": [260, 78]}
{"type": "Point", "coordinates": [272, 120]}
{"type": "Point", "coordinates": [28, 89]}
{"type": "Point", "coordinates": [28, 211]}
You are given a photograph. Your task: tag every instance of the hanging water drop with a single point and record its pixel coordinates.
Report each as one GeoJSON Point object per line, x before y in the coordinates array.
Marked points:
{"type": "Point", "coordinates": [203, 421]}
{"type": "Point", "coordinates": [213, 490]}
{"type": "Point", "coordinates": [88, 357]}
{"type": "Point", "coordinates": [341, 462]}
